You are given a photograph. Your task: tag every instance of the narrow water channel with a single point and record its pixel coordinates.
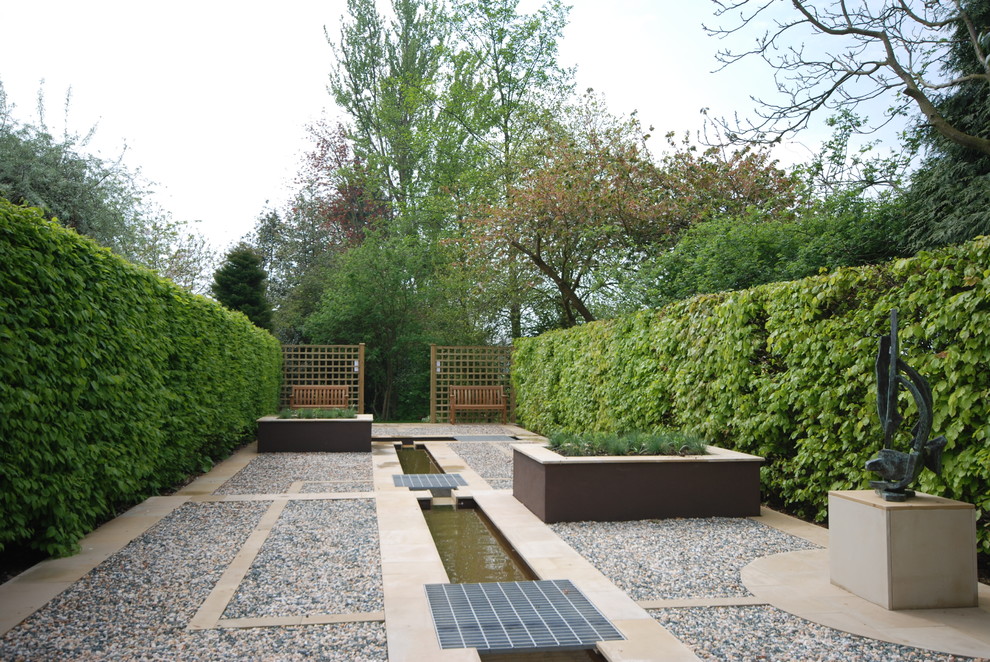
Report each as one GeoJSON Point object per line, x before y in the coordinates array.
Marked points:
{"type": "Point", "coordinates": [473, 551]}
{"type": "Point", "coordinates": [416, 461]}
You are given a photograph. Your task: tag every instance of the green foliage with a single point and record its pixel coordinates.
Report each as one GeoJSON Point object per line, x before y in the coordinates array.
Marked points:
{"type": "Point", "coordinates": [785, 371]}
{"type": "Point", "coordinates": [114, 383]}
{"type": "Point", "coordinates": [97, 197]}
{"type": "Point", "coordinates": [731, 253]}
{"type": "Point", "coordinates": [949, 198]}
{"type": "Point", "coordinates": [317, 413]}
{"type": "Point", "coordinates": [667, 442]}
{"type": "Point", "coordinates": [390, 293]}
{"type": "Point", "coordinates": [239, 284]}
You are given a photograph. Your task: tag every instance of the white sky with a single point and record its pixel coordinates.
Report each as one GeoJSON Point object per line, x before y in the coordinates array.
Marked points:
{"type": "Point", "coordinates": [212, 97]}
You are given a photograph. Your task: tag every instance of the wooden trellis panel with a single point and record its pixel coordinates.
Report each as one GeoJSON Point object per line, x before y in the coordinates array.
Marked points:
{"type": "Point", "coordinates": [467, 366]}
{"type": "Point", "coordinates": [324, 365]}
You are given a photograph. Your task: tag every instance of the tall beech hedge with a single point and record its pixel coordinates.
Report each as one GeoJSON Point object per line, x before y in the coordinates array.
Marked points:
{"type": "Point", "coordinates": [786, 371]}
{"type": "Point", "coordinates": [114, 383]}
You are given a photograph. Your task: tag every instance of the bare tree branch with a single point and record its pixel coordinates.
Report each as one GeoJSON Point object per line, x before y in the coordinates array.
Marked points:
{"type": "Point", "coordinates": [862, 50]}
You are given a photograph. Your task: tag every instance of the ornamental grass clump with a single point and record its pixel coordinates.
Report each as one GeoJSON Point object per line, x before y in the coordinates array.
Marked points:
{"type": "Point", "coordinates": [668, 442]}
{"type": "Point", "coordinates": [317, 413]}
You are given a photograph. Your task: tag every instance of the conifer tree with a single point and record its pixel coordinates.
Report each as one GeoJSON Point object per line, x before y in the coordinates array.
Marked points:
{"type": "Point", "coordinates": [240, 284]}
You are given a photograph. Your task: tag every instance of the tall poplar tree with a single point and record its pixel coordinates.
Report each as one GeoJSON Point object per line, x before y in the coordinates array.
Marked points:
{"type": "Point", "coordinates": [386, 79]}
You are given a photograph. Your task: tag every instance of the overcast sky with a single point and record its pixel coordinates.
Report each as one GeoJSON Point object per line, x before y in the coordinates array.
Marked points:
{"type": "Point", "coordinates": [212, 97]}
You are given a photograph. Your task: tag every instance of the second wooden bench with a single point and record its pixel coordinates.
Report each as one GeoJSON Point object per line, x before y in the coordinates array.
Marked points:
{"type": "Point", "coordinates": [477, 398]}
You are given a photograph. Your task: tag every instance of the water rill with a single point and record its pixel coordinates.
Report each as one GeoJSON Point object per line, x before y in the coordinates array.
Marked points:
{"type": "Point", "coordinates": [470, 547]}
{"type": "Point", "coordinates": [473, 551]}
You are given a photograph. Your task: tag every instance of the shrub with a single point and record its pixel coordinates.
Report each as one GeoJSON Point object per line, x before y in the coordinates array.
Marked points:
{"type": "Point", "coordinates": [669, 442]}
{"type": "Point", "coordinates": [785, 371]}
{"type": "Point", "coordinates": [114, 383]}
{"type": "Point", "coordinates": [317, 413]}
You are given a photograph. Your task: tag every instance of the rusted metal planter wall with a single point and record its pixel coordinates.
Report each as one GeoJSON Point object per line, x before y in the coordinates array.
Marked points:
{"type": "Point", "coordinates": [572, 489]}
{"type": "Point", "coordinates": [314, 435]}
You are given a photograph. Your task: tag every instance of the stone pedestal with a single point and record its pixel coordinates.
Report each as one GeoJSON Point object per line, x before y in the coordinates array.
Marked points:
{"type": "Point", "coordinates": [917, 554]}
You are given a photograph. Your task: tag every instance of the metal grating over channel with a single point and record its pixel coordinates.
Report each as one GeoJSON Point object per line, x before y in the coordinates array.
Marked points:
{"type": "Point", "coordinates": [502, 617]}
{"type": "Point", "coordinates": [429, 481]}
{"type": "Point", "coordinates": [485, 437]}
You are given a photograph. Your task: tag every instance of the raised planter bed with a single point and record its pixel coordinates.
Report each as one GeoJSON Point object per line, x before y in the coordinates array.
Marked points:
{"type": "Point", "coordinates": [314, 435]}
{"type": "Point", "coordinates": [557, 488]}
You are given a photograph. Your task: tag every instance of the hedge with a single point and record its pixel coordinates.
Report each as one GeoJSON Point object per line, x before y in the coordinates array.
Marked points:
{"type": "Point", "coordinates": [786, 371]}
{"type": "Point", "coordinates": [114, 383]}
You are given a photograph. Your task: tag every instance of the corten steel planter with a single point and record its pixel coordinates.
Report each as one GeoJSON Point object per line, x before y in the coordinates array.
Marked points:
{"type": "Point", "coordinates": [314, 435]}
{"type": "Point", "coordinates": [558, 488]}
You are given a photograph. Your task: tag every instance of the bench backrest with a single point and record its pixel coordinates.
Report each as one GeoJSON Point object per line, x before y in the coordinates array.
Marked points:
{"type": "Point", "coordinates": [319, 397]}
{"type": "Point", "coordinates": [477, 395]}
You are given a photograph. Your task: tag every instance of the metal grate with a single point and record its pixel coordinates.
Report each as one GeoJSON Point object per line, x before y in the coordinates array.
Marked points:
{"type": "Point", "coordinates": [517, 617]}
{"type": "Point", "coordinates": [428, 481]}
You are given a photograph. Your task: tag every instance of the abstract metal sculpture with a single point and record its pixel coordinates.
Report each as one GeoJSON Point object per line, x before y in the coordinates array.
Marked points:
{"type": "Point", "coordinates": [896, 468]}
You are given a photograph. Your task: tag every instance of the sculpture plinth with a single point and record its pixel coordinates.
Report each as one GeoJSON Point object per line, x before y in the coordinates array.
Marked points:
{"type": "Point", "coordinates": [917, 554]}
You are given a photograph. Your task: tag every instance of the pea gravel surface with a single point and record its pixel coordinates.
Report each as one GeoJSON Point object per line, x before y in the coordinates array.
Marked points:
{"type": "Point", "coordinates": [491, 460]}
{"type": "Point", "coordinates": [274, 473]}
{"type": "Point", "coordinates": [766, 633]}
{"type": "Point", "coordinates": [136, 604]}
{"type": "Point", "coordinates": [321, 557]}
{"type": "Point", "coordinates": [677, 558]}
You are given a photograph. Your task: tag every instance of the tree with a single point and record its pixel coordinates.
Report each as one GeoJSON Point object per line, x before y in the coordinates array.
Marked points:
{"type": "Point", "coordinates": [173, 250]}
{"type": "Point", "coordinates": [587, 195]}
{"type": "Point", "coordinates": [99, 198]}
{"type": "Point", "coordinates": [386, 79]}
{"type": "Point", "coordinates": [718, 181]}
{"type": "Point", "coordinates": [949, 198]}
{"type": "Point", "coordinates": [389, 293]}
{"type": "Point", "coordinates": [509, 77]}
{"type": "Point", "coordinates": [239, 284]}
{"type": "Point", "coordinates": [838, 54]}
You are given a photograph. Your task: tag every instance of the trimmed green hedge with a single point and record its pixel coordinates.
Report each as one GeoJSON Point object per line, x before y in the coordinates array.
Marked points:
{"type": "Point", "coordinates": [786, 371]}
{"type": "Point", "coordinates": [114, 383]}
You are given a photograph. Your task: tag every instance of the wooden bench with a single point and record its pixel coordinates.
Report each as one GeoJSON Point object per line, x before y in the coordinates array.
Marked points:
{"type": "Point", "coordinates": [319, 397]}
{"type": "Point", "coordinates": [476, 398]}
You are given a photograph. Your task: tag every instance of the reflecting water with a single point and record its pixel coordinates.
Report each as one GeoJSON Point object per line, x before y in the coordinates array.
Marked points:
{"type": "Point", "coordinates": [416, 461]}
{"type": "Point", "coordinates": [471, 551]}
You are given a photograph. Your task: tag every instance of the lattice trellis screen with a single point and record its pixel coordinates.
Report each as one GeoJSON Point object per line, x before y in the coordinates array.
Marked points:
{"type": "Point", "coordinates": [324, 365]}
{"type": "Point", "coordinates": [467, 366]}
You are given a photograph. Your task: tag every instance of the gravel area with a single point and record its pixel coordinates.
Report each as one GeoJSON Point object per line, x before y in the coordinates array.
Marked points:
{"type": "Point", "coordinates": [767, 633]}
{"type": "Point", "coordinates": [677, 558]}
{"type": "Point", "coordinates": [435, 430]}
{"type": "Point", "coordinates": [136, 604]}
{"type": "Point", "coordinates": [321, 557]}
{"type": "Point", "coordinates": [491, 460]}
{"type": "Point", "coordinates": [274, 473]}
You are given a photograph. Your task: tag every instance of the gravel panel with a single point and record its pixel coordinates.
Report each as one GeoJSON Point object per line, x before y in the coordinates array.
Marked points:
{"type": "Point", "coordinates": [136, 604]}
{"type": "Point", "coordinates": [274, 473]}
{"type": "Point", "coordinates": [677, 558]}
{"type": "Point", "coordinates": [155, 583]}
{"type": "Point", "coordinates": [321, 557]}
{"type": "Point", "coordinates": [491, 460]}
{"type": "Point", "coordinates": [767, 633]}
